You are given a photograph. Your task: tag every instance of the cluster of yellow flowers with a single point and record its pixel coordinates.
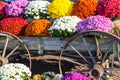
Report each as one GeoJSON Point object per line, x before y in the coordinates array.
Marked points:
{"type": "Point", "coordinates": [38, 28]}
{"type": "Point", "coordinates": [117, 28]}
{"type": "Point", "coordinates": [60, 8]}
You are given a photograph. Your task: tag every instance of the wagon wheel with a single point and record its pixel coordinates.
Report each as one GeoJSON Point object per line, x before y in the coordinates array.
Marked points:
{"type": "Point", "coordinates": [97, 57]}
{"type": "Point", "coordinates": [11, 50]}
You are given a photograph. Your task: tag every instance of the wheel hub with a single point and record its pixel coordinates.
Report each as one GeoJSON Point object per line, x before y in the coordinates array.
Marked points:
{"type": "Point", "coordinates": [3, 60]}
{"type": "Point", "coordinates": [97, 71]}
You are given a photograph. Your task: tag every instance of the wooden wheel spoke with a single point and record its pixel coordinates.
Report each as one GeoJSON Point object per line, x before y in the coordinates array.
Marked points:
{"type": "Point", "coordinates": [99, 54]}
{"type": "Point", "coordinates": [12, 51]}
{"type": "Point", "coordinates": [5, 47]}
{"type": "Point", "coordinates": [112, 75]}
{"type": "Point", "coordinates": [78, 53]}
{"type": "Point", "coordinates": [89, 52]}
{"type": "Point", "coordinates": [76, 62]}
{"type": "Point", "coordinates": [116, 50]}
{"type": "Point", "coordinates": [106, 53]}
{"type": "Point", "coordinates": [111, 69]}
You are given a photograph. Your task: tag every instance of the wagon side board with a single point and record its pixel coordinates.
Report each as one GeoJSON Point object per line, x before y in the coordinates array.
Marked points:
{"type": "Point", "coordinates": [55, 44]}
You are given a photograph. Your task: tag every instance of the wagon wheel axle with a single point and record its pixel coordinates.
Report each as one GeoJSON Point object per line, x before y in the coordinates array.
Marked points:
{"type": "Point", "coordinates": [97, 71]}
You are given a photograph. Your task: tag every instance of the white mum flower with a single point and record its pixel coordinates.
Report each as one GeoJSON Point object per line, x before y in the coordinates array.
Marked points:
{"type": "Point", "coordinates": [14, 71]}
{"type": "Point", "coordinates": [37, 8]}
{"type": "Point", "coordinates": [66, 23]}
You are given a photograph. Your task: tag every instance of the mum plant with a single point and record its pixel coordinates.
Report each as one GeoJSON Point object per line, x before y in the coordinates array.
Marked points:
{"type": "Point", "coordinates": [2, 8]}
{"type": "Point", "coordinates": [95, 23]}
{"type": "Point", "coordinates": [84, 8]}
{"type": "Point", "coordinates": [16, 8]}
{"type": "Point", "coordinates": [75, 76]}
{"type": "Point", "coordinates": [13, 25]}
{"type": "Point", "coordinates": [38, 28]}
{"type": "Point", "coordinates": [109, 8]}
{"type": "Point", "coordinates": [14, 71]}
{"type": "Point", "coordinates": [37, 9]}
{"type": "Point", "coordinates": [116, 29]}
{"type": "Point", "coordinates": [64, 26]}
{"type": "Point", "coordinates": [60, 8]}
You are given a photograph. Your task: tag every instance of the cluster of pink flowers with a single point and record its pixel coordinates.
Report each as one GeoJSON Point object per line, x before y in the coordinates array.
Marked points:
{"type": "Point", "coordinates": [75, 76]}
{"type": "Point", "coordinates": [16, 8]}
{"type": "Point", "coordinates": [95, 23]}
{"type": "Point", "coordinates": [2, 8]}
{"type": "Point", "coordinates": [109, 8]}
{"type": "Point", "coordinates": [13, 25]}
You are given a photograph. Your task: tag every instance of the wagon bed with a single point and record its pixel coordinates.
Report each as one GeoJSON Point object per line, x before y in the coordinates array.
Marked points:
{"type": "Point", "coordinates": [98, 56]}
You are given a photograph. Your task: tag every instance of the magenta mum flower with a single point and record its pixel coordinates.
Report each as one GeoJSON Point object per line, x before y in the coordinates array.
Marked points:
{"type": "Point", "coordinates": [109, 8]}
{"type": "Point", "coordinates": [95, 23]}
{"type": "Point", "coordinates": [75, 76]}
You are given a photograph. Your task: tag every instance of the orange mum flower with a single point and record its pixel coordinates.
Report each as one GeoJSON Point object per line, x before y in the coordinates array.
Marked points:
{"type": "Point", "coordinates": [38, 28]}
{"type": "Point", "coordinates": [84, 8]}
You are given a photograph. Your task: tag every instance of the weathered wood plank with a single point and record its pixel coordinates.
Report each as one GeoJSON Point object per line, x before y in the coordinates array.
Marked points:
{"type": "Point", "coordinates": [51, 43]}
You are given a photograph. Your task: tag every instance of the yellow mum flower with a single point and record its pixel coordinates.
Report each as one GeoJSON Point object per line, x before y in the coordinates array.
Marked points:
{"type": "Point", "coordinates": [60, 8]}
{"type": "Point", "coordinates": [117, 28]}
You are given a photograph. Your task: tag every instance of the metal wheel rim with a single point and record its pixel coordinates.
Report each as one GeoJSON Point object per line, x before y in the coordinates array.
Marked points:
{"type": "Point", "coordinates": [9, 35]}
{"type": "Point", "coordinates": [112, 36]}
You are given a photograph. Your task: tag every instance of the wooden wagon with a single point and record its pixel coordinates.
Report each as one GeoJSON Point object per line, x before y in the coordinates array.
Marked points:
{"type": "Point", "coordinates": [91, 54]}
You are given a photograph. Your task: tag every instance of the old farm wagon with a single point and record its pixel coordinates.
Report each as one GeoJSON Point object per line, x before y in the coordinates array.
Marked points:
{"type": "Point", "coordinates": [93, 52]}
{"type": "Point", "coordinates": [90, 54]}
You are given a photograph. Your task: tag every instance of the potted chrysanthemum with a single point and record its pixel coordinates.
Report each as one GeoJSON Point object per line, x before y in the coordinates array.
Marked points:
{"type": "Point", "coordinates": [16, 8]}
{"type": "Point", "coordinates": [95, 23]}
{"type": "Point", "coordinates": [60, 8]}
{"type": "Point", "coordinates": [37, 10]}
{"type": "Point", "coordinates": [75, 76]}
{"type": "Point", "coordinates": [64, 26]}
{"type": "Point", "coordinates": [2, 9]}
{"type": "Point", "coordinates": [109, 8]}
{"type": "Point", "coordinates": [14, 71]}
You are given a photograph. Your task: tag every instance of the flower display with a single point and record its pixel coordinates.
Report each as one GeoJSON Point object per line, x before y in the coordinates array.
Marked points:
{"type": "Point", "coordinates": [64, 26]}
{"type": "Point", "coordinates": [14, 71]}
{"type": "Point", "coordinates": [109, 8]}
{"type": "Point", "coordinates": [38, 28]}
{"type": "Point", "coordinates": [2, 8]}
{"type": "Point", "coordinates": [16, 8]}
{"type": "Point", "coordinates": [84, 8]}
{"type": "Point", "coordinates": [37, 9]}
{"type": "Point", "coordinates": [95, 23]}
{"type": "Point", "coordinates": [60, 8]}
{"type": "Point", "coordinates": [75, 76]}
{"type": "Point", "coordinates": [116, 29]}
{"type": "Point", "coordinates": [13, 25]}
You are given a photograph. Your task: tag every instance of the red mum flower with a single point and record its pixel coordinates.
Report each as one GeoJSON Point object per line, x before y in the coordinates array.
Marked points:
{"type": "Point", "coordinates": [2, 8]}
{"type": "Point", "coordinates": [109, 8]}
{"type": "Point", "coordinates": [13, 25]}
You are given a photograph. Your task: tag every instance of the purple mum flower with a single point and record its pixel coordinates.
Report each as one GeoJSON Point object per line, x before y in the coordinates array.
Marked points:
{"type": "Point", "coordinates": [95, 23]}
{"type": "Point", "coordinates": [16, 8]}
